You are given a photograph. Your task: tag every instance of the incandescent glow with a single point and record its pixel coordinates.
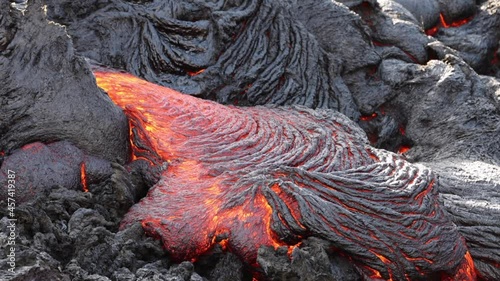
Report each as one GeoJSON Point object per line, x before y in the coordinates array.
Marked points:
{"type": "Point", "coordinates": [196, 72]}
{"type": "Point", "coordinates": [83, 177]}
{"type": "Point", "coordinates": [443, 24]}
{"type": "Point", "coordinates": [368, 117]}
{"type": "Point", "coordinates": [247, 177]}
{"type": "Point", "coordinates": [465, 271]}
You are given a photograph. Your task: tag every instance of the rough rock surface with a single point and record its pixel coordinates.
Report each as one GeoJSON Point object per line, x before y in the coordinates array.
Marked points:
{"type": "Point", "coordinates": [48, 92]}
{"type": "Point", "coordinates": [228, 51]}
{"type": "Point", "coordinates": [311, 262]}
{"type": "Point", "coordinates": [478, 40]}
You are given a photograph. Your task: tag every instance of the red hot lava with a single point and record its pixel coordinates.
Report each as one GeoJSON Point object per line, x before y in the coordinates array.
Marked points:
{"type": "Point", "coordinates": [247, 177]}
{"type": "Point", "coordinates": [443, 24]}
{"type": "Point", "coordinates": [83, 177]}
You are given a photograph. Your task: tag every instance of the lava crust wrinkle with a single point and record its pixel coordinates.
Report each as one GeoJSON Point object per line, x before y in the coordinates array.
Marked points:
{"type": "Point", "coordinates": [248, 177]}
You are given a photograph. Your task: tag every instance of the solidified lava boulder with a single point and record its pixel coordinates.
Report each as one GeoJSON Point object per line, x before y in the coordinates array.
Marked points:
{"type": "Point", "coordinates": [425, 12]}
{"type": "Point", "coordinates": [477, 39]}
{"type": "Point", "coordinates": [394, 31]}
{"type": "Point", "coordinates": [457, 9]}
{"type": "Point", "coordinates": [47, 93]}
{"type": "Point", "coordinates": [448, 110]}
{"type": "Point", "coordinates": [40, 167]}
{"type": "Point", "coordinates": [336, 27]}
{"type": "Point", "coordinates": [311, 262]}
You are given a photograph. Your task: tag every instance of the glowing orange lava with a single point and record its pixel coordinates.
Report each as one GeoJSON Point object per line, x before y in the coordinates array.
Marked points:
{"type": "Point", "coordinates": [249, 221]}
{"type": "Point", "coordinates": [466, 271]}
{"type": "Point", "coordinates": [369, 117]}
{"type": "Point", "coordinates": [83, 177]}
{"type": "Point", "coordinates": [443, 24]}
{"type": "Point", "coordinates": [456, 23]}
{"type": "Point", "coordinates": [195, 72]}
{"type": "Point", "coordinates": [403, 149]}
{"type": "Point", "coordinates": [258, 176]}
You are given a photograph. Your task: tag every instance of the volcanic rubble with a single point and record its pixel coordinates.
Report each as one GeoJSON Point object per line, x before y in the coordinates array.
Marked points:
{"type": "Point", "coordinates": [313, 140]}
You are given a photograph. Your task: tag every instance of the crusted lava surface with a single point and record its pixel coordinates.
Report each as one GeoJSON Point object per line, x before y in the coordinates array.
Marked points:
{"type": "Point", "coordinates": [248, 177]}
{"type": "Point", "coordinates": [232, 188]}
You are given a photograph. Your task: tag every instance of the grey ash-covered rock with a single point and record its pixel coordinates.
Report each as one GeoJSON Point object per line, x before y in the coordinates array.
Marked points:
{"type": "Point", "coordinates": [310, 262]}
{"type": "Point", "coordinates": [469, 191]}
{"type": "Point", "coordinates": [251, 52]}
{"type": "Point", "coordinates": [48, 93]}
{"type": "Point", "coordinates": [477, 42]}
{"type": "Point", "coordinates": [425, 12]}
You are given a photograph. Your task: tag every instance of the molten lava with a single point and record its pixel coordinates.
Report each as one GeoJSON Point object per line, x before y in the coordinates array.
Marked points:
{"type": "Point", "coordinates": [83, 177]}
{"type": "Point", "coordinates": [403, 149]}
{"type": "Point", "coordinates": [443, 24]}
{"type": "Point", "coordinates": [247, 177]}
{"type": "Point", "coordinates": [369, 117]}
{"type": "Point", "coordinates": [194, 73]}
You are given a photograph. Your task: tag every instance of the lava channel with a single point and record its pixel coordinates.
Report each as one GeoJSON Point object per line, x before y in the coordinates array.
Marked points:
{"type": "Point", "coordinates": [259, 176]}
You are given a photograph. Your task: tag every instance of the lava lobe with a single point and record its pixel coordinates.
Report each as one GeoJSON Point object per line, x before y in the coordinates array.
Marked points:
{"type": "Point", "coordinates": [247, 177]}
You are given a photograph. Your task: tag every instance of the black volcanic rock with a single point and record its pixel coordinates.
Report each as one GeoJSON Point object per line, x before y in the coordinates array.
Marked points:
{"type": "Point", "coordinates": [48, 93]}
{"type": "Point", "coordinates": [453, 10]}
{"type": "Point", "coordinates": [477, 41]}
{"type": "Point", "coordinates": [77, 232]}
{"type": "Point", "coordinates": [243, 52]}
{"type": "Point", "coordinates": [38, 167]}
{"type": "Point", "coordinates": [425, 11]}
{"type": "Point", "coordinates": [309, 262]}
{"type": "Point", "coordinates": [447, 108]}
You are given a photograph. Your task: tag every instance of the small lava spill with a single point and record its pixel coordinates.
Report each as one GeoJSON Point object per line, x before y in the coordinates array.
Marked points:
{"type": "Point", "coordinates": [369, 117]}
{"type": "Point", "coordinates": [83, 177]}
{"type": "Point", "coordinates": [248, 177]}
{"type": "Point", "coordinates": [443, 24]}
{"type": "Point", "coordinates": [403, 149]}
{"type": "Point", "coordinates": [194, 73]}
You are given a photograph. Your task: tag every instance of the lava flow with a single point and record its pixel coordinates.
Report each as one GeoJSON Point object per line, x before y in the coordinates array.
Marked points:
{"type": "Point", "coordinates": [443, 24]}
{"type": "Point", "coordinates": [83, 177]}
{"type": "Point", "coordinates": [247, 177]}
